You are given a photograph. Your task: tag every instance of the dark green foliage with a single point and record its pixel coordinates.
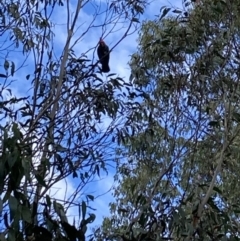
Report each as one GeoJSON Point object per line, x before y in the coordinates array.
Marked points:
{"type": "Point", "coordinates": [181, 175]}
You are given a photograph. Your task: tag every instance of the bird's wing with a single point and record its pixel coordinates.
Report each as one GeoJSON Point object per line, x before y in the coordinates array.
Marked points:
{"type": "Point", "coordinates": [99, 52]}
{"type": "Point", "coordinates": [106, 49]}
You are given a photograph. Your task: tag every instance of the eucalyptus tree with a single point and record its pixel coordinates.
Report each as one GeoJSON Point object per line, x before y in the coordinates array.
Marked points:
{"type": "Point", "coordinates": [179, 178]}
{"type": "Point", "coordinates": [54, 129]}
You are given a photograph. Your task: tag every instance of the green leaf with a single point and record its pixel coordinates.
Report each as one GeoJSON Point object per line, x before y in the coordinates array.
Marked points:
{"type": "Point", "coordinates": [60, 211]}
{"type": "Point", "coordinates": [40, 180]}
{"type": "Point", "coordinates": [91, 197]}
{"type": "Point", "coordinates": [97, 170]}
{"type": "Point", "coordinates": [213, 123]}
{"type": "Point", "coordinates": [139, 198]}
{"type": "Point", "coordinates": [142, 219]}
{"type": "Point", "coordinates": [6, 65]}
{"type": "Point", "coordinates": [213, 205]}
{"type": "Point", "coordinates": [124, 210]}
{"type": "Point", "coordinates": [189, 50]}
{"type": "Point", "coordinates": [75, 174]}
{"type": "Point", "coordinates": [26, 214]}
{"type": "Point", "coordinates": [13, 206]}
{"type": "Point", "coordinates": [48, 200]}
{"type": "Point", "coordinates": [90, 219]}
{"type": "Point", "coordinates": [236, 210]}
{"type": "Point", "coordinates": [12, 68]}
{"type": "Point", "coordinates": [11, 235]}
{"type": "Point", "coordinates": [3, 76]}
{"type": "Point", "coordinates": [84, 229]}
{"type": "Point", "coordinates": [1, 206]}
{"type": "Point", "coordinates": [216, 189]}
{"type": "Point", "coordinates": [79, 210]}
{"type": "Point", "coordinates": [2, 237]}
{"type": "Point", "coordinates": [70, 230]}
{"type": "Point", "coordinates": [236, 116]}
{"type": "Point", "coordinates": [184, 234]}
{"type": "Point", "coordinates": [135, 20]}
{"type": "Point", "coordinates": [84, 210]}
{"type": "Point", "coordinates": [27, 167]}
{"type": "Point", "coordinates": [164, 13]}
{"type": "Point", "coordinates": [177, 11]}
{"type": "Point", "coordinates": [60, 148]}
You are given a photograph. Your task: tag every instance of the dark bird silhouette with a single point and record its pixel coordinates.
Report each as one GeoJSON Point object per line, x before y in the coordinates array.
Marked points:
{"type": "Point", "coordinates": [104, 56]}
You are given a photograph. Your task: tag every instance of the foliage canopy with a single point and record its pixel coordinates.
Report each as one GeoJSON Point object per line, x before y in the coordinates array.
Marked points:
{"type": "Point", "coordinates": [180, 178]}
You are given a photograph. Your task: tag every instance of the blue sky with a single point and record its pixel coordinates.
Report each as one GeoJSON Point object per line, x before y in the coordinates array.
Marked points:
{"type": "Point", "coordinates": [118, 64]}
{"type": "Point", "coordinates": [120, 57]}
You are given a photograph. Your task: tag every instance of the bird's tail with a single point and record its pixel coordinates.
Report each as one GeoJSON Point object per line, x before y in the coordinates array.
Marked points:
{"type": "Point", "coordinates": [105, 68]}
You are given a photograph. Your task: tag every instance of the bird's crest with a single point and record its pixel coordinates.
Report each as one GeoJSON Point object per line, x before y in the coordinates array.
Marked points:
{"type": "Point", "coordinates": [101, 41]}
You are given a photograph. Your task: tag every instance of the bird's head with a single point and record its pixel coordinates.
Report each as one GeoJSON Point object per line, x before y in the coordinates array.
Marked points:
{"type": "Point", "coordinates": [101, 42]}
